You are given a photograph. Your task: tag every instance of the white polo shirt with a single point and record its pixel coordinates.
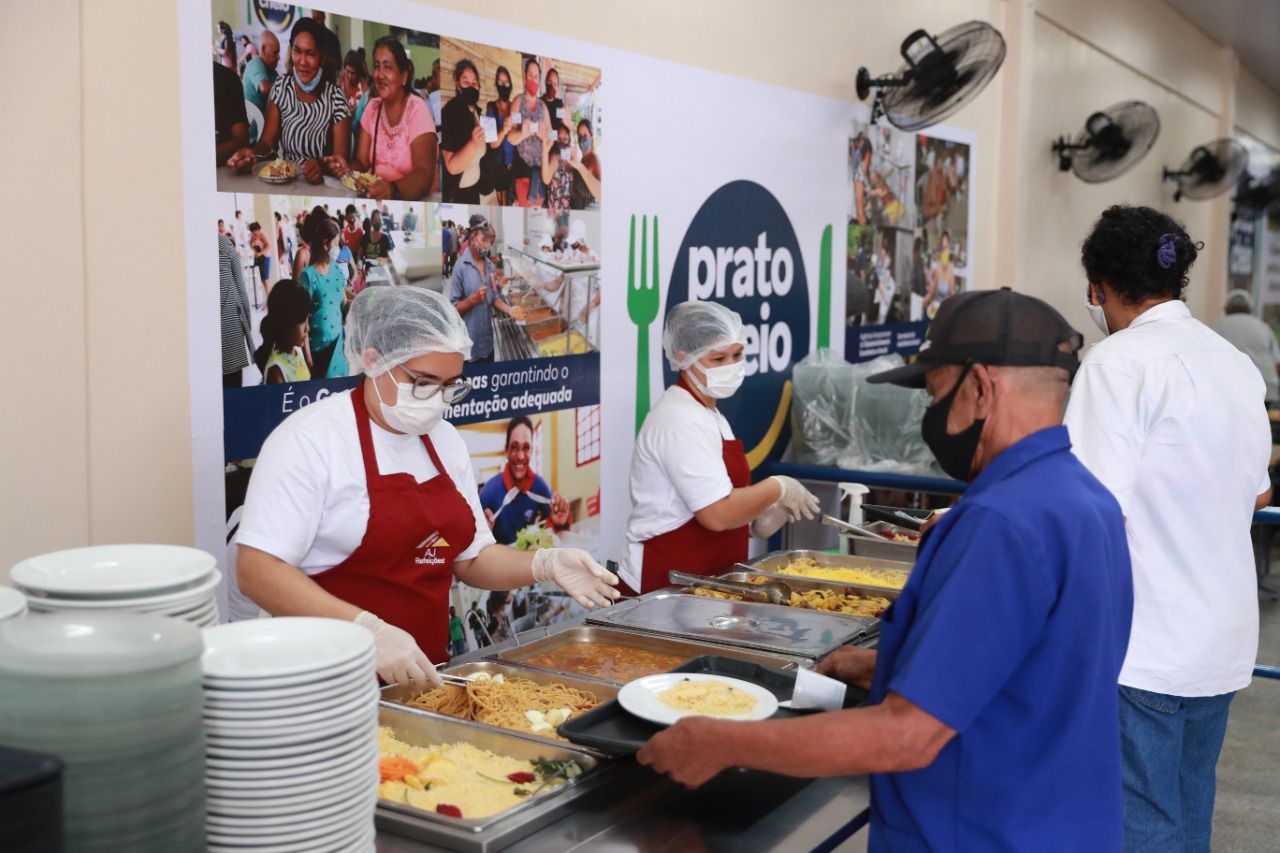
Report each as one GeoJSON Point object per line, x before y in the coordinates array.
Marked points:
{"type": "Point", "coordinates": [677, 468]}
{"type": "Point", "coordinates": [1170, 417]}
{"type": "Point", "coordinates": [308, 499]}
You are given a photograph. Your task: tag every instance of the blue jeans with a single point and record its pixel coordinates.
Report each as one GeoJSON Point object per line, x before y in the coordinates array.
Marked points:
{"type": "Point", "coordinates": [1169, 746]}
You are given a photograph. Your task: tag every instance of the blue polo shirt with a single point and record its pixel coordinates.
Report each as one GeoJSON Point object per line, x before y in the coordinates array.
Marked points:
{"type": "Point", "coordinates": [1011, 630]}
{"type": "Point", "coordinates": [467, 279]}
{"type": "Point", "coordinates": [520, 513]}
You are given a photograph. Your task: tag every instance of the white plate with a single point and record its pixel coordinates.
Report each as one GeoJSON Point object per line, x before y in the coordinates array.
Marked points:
{"type": "Point", "coordinates": [222, 737]}
{"type": "Point", "coordinates": [12, 602]}
{"type": "Point", "coordinates": [275, 648]}
{"type": "Point", "coordinates": [301, 759]}
{"type": "Point", "coordinates": [358, 838]}
{"type": "Point", "coordinates": [316, 763]}
{"type": "Point", "coordinates": [321, 681]}
{"type": "Point", "coordinates": [291, 778]}
{"type": "Point", "coordinates": [254, 751]}
{"type": "Point", "coordinates": [200, 608]}
{"type": "Point", "coordinates": [323, 694]}
{"type": "Point", "coordinates": [338, 813]}
{"type": "Point", "coordinates": [297, 714]}
{"type": "Point", "coordinates": [640, 697]}
{"type": "Point", "coordinates": [113, 570]}
{"type": "Point", "coordinates": [183, 599]}
{"type": "Point", "coordinates": [285, 800]}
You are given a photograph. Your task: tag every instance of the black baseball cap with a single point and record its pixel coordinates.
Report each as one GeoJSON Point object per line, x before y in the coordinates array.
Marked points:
{"type": "Point", "coordinates": [992, 327]}
{"type": "Point", "coordinates": [479, 223]}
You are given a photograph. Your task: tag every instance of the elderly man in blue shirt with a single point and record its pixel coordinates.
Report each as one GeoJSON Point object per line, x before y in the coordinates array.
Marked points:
{"type": "Point", "coordinates": [992, 722]}
{"type": "Point", "coordinates": [473, 289]}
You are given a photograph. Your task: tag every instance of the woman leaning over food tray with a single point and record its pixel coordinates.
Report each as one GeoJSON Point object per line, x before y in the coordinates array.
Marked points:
{"type": "Point", "coordinates": [363, 505]}
{"type": "Point", "coordinates": [693, 505]}
{"type": "Point", "coordinates": [307, 117]}
{"type": "Point", "coordinates": [398, 136]}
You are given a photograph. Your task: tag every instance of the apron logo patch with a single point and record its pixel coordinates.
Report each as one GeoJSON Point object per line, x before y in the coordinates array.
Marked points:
{"type": "Point", "coordinates": [435, 540]}
{"type": "Point", "coordinates": [428, 546]}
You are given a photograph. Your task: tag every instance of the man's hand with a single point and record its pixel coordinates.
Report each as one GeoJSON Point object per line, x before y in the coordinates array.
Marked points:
{"type": "Point", "coordinates": [688, 751]}
{"type": "Point", "coordinates": [313, 171]}
{"type": "Point", "coordinates": [851, 665]}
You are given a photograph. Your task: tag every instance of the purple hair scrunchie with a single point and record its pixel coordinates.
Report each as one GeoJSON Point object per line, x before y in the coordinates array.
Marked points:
{"type": "Point", "coordinates": [1167, 252]}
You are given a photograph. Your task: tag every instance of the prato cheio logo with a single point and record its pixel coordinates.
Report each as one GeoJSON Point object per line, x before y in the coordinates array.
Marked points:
{"type": "Point", "coordinates": [741, 251]}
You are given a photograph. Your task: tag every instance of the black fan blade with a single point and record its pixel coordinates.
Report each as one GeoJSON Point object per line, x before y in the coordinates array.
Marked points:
{"type": "Point", "coordinates": [970, 54]}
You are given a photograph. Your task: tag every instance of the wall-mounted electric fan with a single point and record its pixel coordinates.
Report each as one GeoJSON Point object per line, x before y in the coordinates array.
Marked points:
{"type": "Point", "coordinates": [1112, 142]}
{"type": "Point", "coordinates": [1211, 169]}
{"type": "Point", "coordinates": [942, 73]}
{"type": "Point", "coordinates": [1259, 196]}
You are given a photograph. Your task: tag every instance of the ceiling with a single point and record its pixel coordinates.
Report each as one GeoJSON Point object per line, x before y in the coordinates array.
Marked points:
{"type": "Point", "coordinates": [1252, 27]}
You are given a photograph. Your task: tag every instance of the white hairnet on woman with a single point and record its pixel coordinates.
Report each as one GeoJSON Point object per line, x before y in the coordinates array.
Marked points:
{"type": "Point", "coordinates": [695, 328]}
{"type": "Point", "coordinates": [364, 504]}
{"type": "Point", "coordinates": [400, 323]}
{"type": "Point", "coordinates": [694, 505]}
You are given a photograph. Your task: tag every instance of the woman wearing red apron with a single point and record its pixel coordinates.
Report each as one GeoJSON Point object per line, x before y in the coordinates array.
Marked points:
{"type": "Point", "coordinates": [693, 506]}
{"type": "Point", "coordinates": [363, 505]}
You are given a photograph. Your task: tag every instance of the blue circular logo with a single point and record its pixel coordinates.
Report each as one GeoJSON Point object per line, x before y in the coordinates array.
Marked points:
{"type": "Point", "coordinates": [741, 251]}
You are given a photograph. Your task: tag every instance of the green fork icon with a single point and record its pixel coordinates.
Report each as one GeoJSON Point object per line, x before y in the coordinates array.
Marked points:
{"type": "Point", "coordinates": [643, 297]}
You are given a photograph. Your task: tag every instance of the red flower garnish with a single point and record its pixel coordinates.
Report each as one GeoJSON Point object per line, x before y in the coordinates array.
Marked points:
{"type": "Point", "coordinates": [448, 810]}
{"type": "Point", "coordinates": [521, 778]}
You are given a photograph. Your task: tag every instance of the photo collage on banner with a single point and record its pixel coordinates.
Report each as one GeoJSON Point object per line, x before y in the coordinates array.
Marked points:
{"type": "Point", "coordinates": [908, 236]}
{"type": "Point", "coordinates": [355, 155]}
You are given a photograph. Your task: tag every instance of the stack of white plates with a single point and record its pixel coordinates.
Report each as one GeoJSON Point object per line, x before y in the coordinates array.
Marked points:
{"type": "Point", "coordinates": [291, 725]}
{"type": "Point", "coordinates": [163, 579]}
{"type": "Point", "coordinates": [117, 698]}
{"type": "Point", "coordinates": [12, 603]}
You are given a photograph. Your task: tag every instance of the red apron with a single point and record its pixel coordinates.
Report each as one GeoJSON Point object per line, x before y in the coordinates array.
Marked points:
{"type": "Point", "coordinates": [691, 547]}
{"type": "Point", "coordinates": [403, 567]}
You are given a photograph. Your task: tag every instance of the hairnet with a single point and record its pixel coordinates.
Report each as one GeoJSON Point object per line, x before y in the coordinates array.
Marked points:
{"type": "Point", "coordinates": [693, 328]}
{"type": "Point", "coordinates": [400, 323]}
{"type": "Point", "coordinates": [1240, 299]}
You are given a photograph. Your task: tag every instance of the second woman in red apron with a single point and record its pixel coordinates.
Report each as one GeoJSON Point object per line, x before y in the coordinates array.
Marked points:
{"type": "Point", "coordinates": [693, 506]}
{"type": "Point", "coordinates": [363, 505]}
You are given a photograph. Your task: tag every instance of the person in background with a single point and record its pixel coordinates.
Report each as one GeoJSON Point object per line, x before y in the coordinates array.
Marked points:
{"type": "Point", "coordinates": [326, 284]}
{"type": "Point", "coordinates": [354, 83]}
{"type": "Point", "coordinates": [363, 506]}
{"type": "Point", "coordinates": [285, 353]}
{"type": "Point", "coordinates": [586, 170]}
{"type": "Point", "coordinates": [398, 135]}
{"type": "Point", "coordinates": [230, 123]}
{"type": "Point", "coordinates": [410, 221]}
{"type": "Point", "coordinates": [536, 124]}
{"type": "Point", "coordinates": [433, 91]}
{"type": "Point", "coordinates": [307, 117]}
{"type": "Point", "coordinates": [886, 287]}
{"type": "Point", "coordinates": [693, 506]}
{"type": "Point", "coordinates": [457, 636]}
{"type": "Point", "coordinates": [462, 142]}
{"type": "Point", "coordinates": [516, 496]}
{"type": "Point", "coordinates": [352, 233]}
{"type": "Point", "coordinates": [247, 52]}
{"type": "Point", "coordinates": [376, 246]}
{"type": "Point", "coordinates": [237, 338]}
{"type": "Point", "coordinates": [557, 174]}
{"type": "Point", "coordinates": [446, 248]}
{"type": "Point", "coordinates": [260, 72]}
{"type": "Point", "coordinates": [1254, 338]}
{"type": "Point", "coordinates": [993, 680]}
{"type": "Point", "coordinates": [942, 275]}
{"type": "Point", "coordinates": [284, 239]}
{"type": "Point", "coordinates": [224, 47]}
{"type": "Point", "coordinates": [474, 291]}
{"type": "Point", "coordinates": [919, 279]}
{"type": "Point", "coordinates": [261, 252]}
{"type": "Point", "coordinates": [554, 99]}
{"type": "Point", "coordinates": [501, 150]}
{"type": "Point", "coordinates": [1171, 418]}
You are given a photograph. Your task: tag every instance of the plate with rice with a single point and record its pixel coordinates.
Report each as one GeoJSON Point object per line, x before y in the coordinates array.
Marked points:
{"type": "Point", "coordinates": [670, 696]}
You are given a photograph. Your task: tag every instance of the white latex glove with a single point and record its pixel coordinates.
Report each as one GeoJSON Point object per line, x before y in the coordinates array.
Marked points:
{"type": "Point", "coordinates": [574, 571]}
{"type": "Point", "coordinates": [396, 655]}
{"type": "Point", "coordinates": [798, 501]}
{"type": "Point", "coordinates": [769, 522]}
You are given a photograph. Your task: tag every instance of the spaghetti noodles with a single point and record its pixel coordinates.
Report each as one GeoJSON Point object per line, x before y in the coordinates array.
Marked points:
{"type": "Point", "coordinates": [510, 703]}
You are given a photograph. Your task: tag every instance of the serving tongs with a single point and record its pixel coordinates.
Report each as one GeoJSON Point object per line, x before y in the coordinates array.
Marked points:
{"type": "Point", "coordinates": [848, 529]}
{"type": "Point", "coordinates": [773, 592]}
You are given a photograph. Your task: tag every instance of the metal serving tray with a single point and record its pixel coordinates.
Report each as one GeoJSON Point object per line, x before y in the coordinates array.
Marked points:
{"type": "Point", "coordinates": [897, 552]}
{"type": "Point", "coordinates": [636, 640]}
{"type": "Point", "coordinates": [778, 560]}
{"type": "Point", "coordinates": [764, 627]}
{"type": "Point", "coordinates": [800, 584]}
{"type": "Point", "coordinates": [398, 695]}
{"type": "Point", "coordinates": [496, 831]}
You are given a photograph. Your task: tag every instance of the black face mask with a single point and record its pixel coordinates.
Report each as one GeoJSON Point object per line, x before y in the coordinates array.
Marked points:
{"type": "Point", "coordinates": [954, 452]}
{"type": "Point", "coordinates": [504, 92]}
{"type": "Point", "coordinates": [469, 96]}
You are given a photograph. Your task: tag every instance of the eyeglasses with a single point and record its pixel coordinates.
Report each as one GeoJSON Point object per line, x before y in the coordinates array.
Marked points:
{"type": "Point", "coordinates": [424, 387]}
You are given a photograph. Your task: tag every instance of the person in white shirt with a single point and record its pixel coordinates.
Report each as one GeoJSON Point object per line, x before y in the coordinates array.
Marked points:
{"type": "Point", "coordinates": [363, 506]}
{"type": "Point", "coordinates": [1170, 417]}
{"type": "Point", "coordinates": [886, 287]}
{"type": "Point", "coordinates": [691, 493]}
{"type": "Point", "coordinates": [1254, 338]}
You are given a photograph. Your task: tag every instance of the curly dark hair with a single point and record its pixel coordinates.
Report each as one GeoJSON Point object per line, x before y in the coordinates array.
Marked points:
{"type": "Point", "coordinates": [1140, 253]}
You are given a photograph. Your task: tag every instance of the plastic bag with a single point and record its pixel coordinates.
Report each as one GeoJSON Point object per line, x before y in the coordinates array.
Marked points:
{"type": "Point", "coordinates": [885, 425]}
{"type": "Point", "coordinates": [822, 403]}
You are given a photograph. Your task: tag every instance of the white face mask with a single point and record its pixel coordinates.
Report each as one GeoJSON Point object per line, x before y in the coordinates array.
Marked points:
{"type": "Point", "coordinates": [410, 415]}
{"type": "Point", "coordinates": [722, 381]}
{"type": "Point", "coordinates": [1099, 318]}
